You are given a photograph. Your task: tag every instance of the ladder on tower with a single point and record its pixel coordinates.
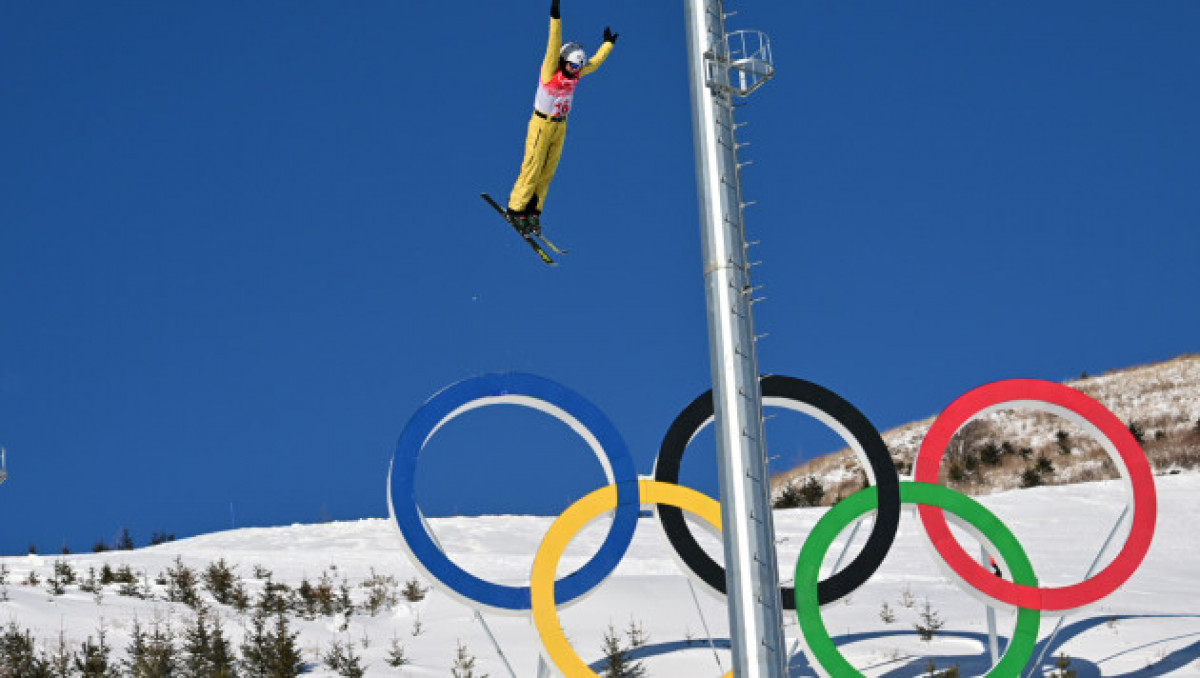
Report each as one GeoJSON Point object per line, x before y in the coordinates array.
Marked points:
{"type": "Point", "coordinates": [745, 56]}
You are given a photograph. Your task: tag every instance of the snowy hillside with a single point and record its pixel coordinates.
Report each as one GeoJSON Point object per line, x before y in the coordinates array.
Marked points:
{"type": "Point", "coordinates": [1149, 627]}
{"type": "Point", "coordinates": [1161, 401]}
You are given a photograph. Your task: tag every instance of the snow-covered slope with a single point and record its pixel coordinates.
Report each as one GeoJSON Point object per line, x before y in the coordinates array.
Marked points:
{"type": "Point", "coordinates": [1149, 627]}
{"type": "Point", "coordinates": [1162, 400]}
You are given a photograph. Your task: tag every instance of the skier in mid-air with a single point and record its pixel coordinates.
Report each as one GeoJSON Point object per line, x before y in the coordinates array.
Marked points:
{"type": "Point", "coordinates": [562, 67]}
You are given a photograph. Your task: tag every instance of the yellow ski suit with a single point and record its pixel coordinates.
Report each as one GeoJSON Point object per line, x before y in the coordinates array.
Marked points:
{"type": "Point", "coordinates": [548, 125]}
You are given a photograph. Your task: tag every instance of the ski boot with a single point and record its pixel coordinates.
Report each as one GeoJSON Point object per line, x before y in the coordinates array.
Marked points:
{"type": "Point", "coordinates": [518, 219]}
{"type": "Point", "coordinates": [534, 221]}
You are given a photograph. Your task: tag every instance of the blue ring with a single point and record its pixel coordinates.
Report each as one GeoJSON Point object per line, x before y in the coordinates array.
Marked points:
{"type": "Point", "coordinates": [496, 388]}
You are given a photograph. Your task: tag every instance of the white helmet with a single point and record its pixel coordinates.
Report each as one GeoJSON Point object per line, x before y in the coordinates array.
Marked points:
{"type": "Point", "coordinates": [573, 53]}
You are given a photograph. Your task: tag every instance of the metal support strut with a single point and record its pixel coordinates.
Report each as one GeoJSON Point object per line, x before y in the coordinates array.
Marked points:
{"type": "Point", "coordinates": [721, 66]}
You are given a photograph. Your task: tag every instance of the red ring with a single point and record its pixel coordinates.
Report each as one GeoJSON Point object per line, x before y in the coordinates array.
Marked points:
{"type": "Point", "coordinates": [1040, 395]}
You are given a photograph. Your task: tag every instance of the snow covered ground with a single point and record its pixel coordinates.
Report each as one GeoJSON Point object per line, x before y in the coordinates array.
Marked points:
{"type": "Point", "coordinates": [1149, 627]}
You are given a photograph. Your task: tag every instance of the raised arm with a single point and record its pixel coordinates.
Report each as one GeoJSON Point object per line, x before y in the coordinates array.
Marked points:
{"type": "Point", "coordinates": [553, 45]}
{"type": "Point", "coordinates": [610, 39]}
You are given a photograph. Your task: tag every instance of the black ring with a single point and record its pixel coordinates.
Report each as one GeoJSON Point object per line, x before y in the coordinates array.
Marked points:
{"type": "Point", "coordinates": [776, 387]}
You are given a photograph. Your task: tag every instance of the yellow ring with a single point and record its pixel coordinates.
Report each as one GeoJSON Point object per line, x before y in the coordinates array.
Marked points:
{"type": "Point", "coordinates": [550, 552]}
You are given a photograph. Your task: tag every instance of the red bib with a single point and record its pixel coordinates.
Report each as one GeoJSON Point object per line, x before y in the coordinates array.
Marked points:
{"type": "Point", "coordinates": [555, 97]}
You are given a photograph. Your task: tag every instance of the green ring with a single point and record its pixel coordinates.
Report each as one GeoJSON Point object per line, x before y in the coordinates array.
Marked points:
{"type": "Point", "coordinates": [808, 566]}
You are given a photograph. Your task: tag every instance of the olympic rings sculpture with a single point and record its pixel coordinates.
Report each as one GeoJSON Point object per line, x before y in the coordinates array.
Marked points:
{"type": "Point", "coordinates": [884, 496]}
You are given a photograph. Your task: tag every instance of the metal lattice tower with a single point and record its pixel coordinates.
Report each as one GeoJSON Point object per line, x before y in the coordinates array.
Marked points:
{"type": "Point", "coordinates": [723, 66]}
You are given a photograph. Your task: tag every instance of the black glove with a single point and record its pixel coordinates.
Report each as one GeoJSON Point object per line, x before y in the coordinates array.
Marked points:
{"type": "Point", "coordinates": [609, 36]}
{"type": "Point", "coordinates": [554, 10]}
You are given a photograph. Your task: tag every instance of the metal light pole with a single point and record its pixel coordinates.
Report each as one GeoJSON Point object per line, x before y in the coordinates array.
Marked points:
{"type": "Point", "coordinates": [722, 66]}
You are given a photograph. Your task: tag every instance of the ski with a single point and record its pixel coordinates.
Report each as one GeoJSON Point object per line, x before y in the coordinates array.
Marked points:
{"type": "Point", "coordinates": [546, 241]}
{"type": "Point", "coordinates": [534, 244]}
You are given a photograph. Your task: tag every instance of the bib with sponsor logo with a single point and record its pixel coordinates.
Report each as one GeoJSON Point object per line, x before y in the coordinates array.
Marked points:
{"type": "Point", "coordinates": [555, 97]}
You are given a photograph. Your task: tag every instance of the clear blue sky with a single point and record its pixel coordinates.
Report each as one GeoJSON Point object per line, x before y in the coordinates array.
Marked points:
{"type": "Point", "coordinates": [241, 243]}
